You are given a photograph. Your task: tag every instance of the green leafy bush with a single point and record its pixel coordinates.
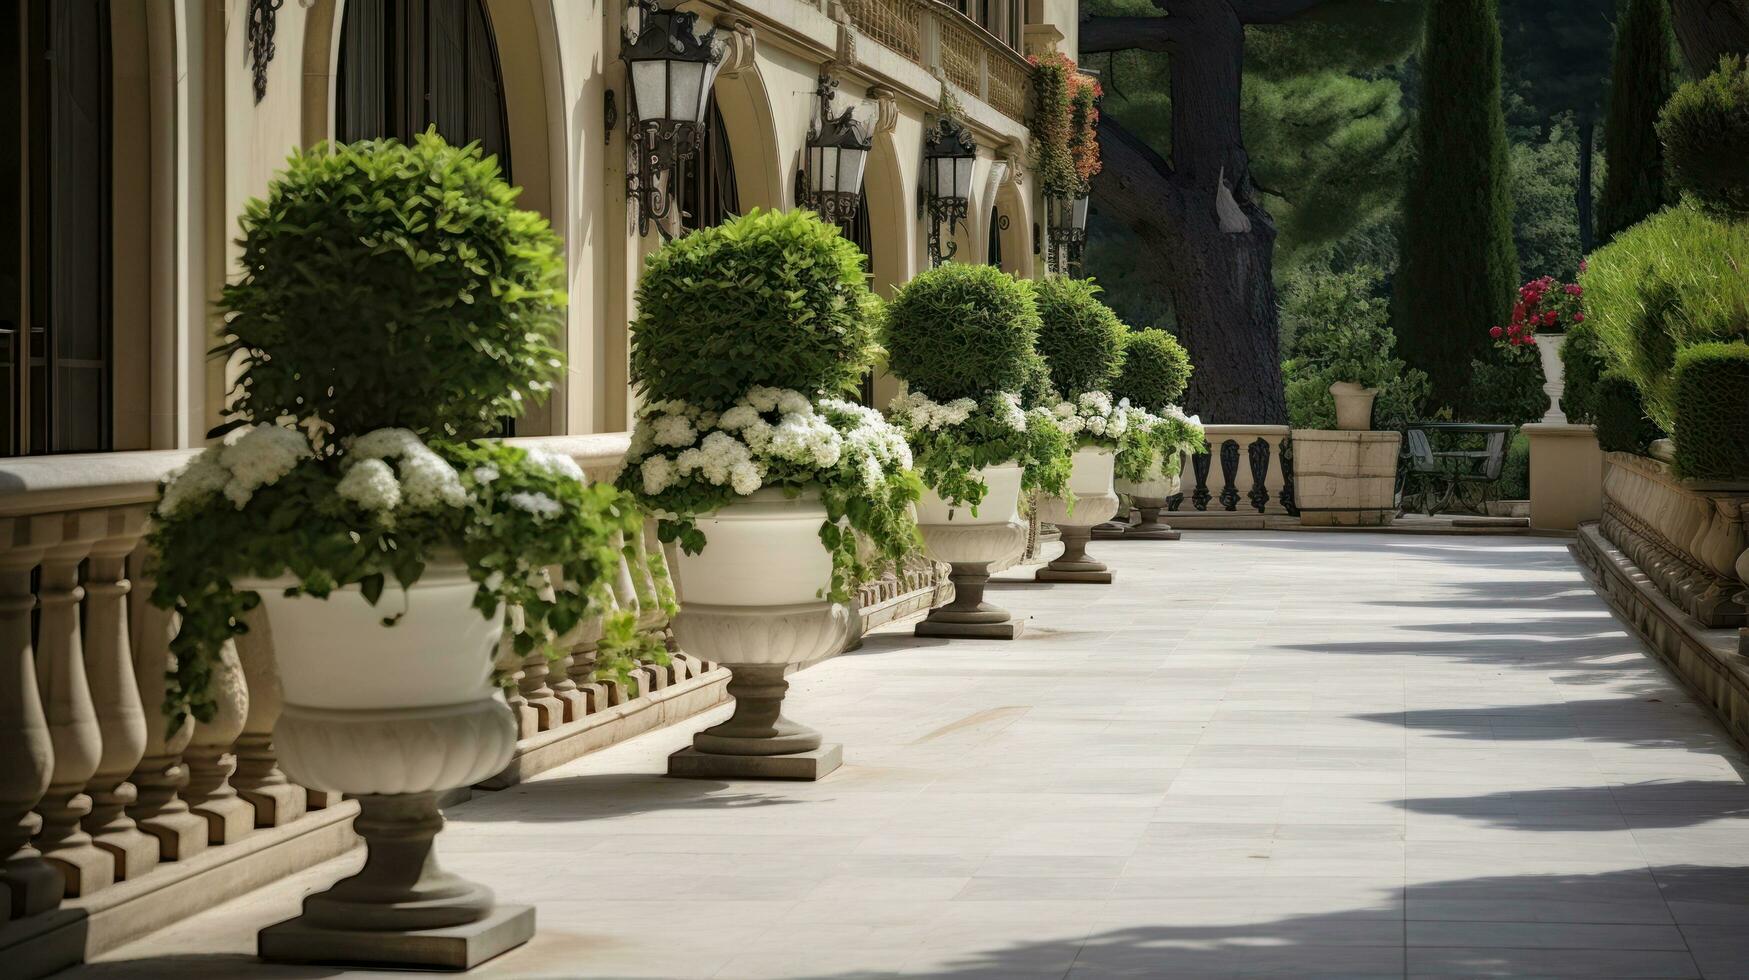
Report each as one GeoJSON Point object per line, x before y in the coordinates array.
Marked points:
{"type": "Point", "coordinates": [1705, 129]}
{"type": "Point", "coordinates": [1515, 469]}
{"type": "Point", "coordinates": [1080, 338]}
{"type": "Point", "coordinates": [1340, 333]}
{"type": "Point", "coordinates": [1671, 282]}
{"type": "Point", "coordinates": [1155, 370]}
{"type": "Point", "coordinates": [1712, 412]}
{"type": "Point", "coordinates": [962, 331]}
{"type": "Point", "coordinates": [771, 298]}
{"type": "Point", "coordinates": [392, 286]}
{"type": "Point", "coordinates": [1582, 367]}
{"type": "Point", "coordinates": [1622, 425]}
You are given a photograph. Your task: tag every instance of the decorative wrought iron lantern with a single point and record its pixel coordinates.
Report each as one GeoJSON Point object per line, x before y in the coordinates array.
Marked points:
{"type": "Point", "coordinates": [949, 156]}
{"type": "Point", "coordinates": [833, 162]}
{"type": "Point", "coordinates": [1067, 219]}
{"type": "Point", "coordinates": [670, 68]}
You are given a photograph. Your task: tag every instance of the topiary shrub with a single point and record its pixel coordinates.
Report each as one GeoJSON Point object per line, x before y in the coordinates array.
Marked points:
{"type": "Point", "coordinates": [412, 262]}
{"type": "Point", "coordinates": [1155, 370]}
{"type": "Point", "coordinates": [1340, 333]}
{"type": "Point", "coordinates": [962, 331]}
{"type": "Point", "coordinates": [1079, 337]}
{"type": "Point", "coordinates": [772, 298]}
{"type": "Point", "coordinates": [1705, 129]}
{"type": "Point", "coordinates": [1582, 366]}
{"type": "Point", "coordinates": [1622, 425]}
{"type": "Point", "coordinates": [1515, 469]}
{"type": "Point", "coordinates": [1712, 412]}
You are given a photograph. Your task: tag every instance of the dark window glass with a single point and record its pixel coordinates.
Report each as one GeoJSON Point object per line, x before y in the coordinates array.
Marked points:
{"type": "Point", "coordinates": [708, 195]}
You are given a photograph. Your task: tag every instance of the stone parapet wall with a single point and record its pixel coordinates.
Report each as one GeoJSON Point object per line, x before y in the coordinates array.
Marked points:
{"type": "Point", "coordinates": [1688, 537]}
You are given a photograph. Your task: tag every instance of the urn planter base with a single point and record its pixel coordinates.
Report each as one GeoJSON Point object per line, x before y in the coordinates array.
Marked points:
{"type": "Point", "coordinates": [449, 948]}
{"type": "Point", "coordinates": [690, 763]}
{"type": "Point", "coordinates": [968, 616]}
{"type": "Point", "coordinates": [1074, 565]}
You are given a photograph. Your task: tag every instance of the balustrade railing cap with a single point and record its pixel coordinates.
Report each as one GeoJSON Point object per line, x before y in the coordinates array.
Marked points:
{"type": "Point", "coordinates": [49, 484]}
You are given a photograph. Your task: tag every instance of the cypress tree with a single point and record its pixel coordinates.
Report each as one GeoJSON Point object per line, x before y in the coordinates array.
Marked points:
{"type": "Point", "coordinates": [1633, 184]}
{"type": "Point", "coordinates": [1459, 268]}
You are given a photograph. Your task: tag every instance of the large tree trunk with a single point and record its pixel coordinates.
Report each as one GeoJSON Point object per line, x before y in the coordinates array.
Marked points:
{"type": "Point", "coordinates": [1706, 30]}
{"type": "Point", "coordinates": [1221, 283]}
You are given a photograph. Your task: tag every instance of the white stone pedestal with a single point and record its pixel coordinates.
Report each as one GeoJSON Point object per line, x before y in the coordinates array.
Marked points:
{"type": "Point", "coordinates": [1566, 475]}
{"type": "Point", "coordinates": [1345, 477]}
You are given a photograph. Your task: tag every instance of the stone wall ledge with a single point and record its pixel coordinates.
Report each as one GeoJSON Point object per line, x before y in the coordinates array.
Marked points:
{"type": "Point", "coordinates": [1688, 536]}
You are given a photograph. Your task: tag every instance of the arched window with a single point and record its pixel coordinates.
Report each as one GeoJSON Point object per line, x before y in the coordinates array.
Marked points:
{"type": "Point", "coordinates": [406, 65]}
{"type": "Point", "coordinates": [55, 234]}
{"type": "Point", "coordinates": [708, 195]}
{"type": "Point", "coordinates": [858, 230]}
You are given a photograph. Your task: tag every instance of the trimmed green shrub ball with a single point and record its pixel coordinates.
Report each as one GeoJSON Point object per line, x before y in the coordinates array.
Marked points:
{"type": "Point", "coordinates": [774, 298]}
{"type": "Point", "coordinates": [1622, 425]}
{"type": "Point", "coordinates": [1705, 129]}
{"type": "Point", "coordinates": [1155, 369]}
{"type": "Point", "coordinates": [1080, 337]}
{"type": "Point", "coordinates": [962, 331]}
{"type": "Point", "coordinates": [386, 285]}
{"type": "Point", "coordinates": [1712, 412]}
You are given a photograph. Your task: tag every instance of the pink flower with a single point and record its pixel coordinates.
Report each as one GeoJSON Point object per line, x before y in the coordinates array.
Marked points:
{"type": "Point", "coordinates": [1494, 332]}
{"type": "Point", "coordinates": [1583, 265]}
{"type": "Point", "coordinates": [1578, 318]}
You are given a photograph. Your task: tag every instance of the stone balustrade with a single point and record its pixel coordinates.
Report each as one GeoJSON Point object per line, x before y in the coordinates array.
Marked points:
{"type": "Point", "coordinates": [1242, 480]}
{"type": "Point", "coordinates": [1689, 537]}
{"type": "Point", "coordinates": [936, 36]}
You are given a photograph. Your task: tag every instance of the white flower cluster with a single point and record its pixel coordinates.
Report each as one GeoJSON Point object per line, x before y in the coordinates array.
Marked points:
{"type": "Point", "coordinates": [420, 477]}
{"type": "Point", "coordinates": [738, 447]}
{"type": "Point", "coordinates": [251, 459]}
{"type": "Point", "coordinates": [916, 412]}
{"type": "Point", "coordinates": [1093, 417]}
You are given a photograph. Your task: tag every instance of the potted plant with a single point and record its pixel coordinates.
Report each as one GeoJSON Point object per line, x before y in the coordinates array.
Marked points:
{"type": "Point", "coordinates": [960, 338]}
{"type": "Point", "coordinates": [1080, 341]}
{"type": "Point", "coordinates": [393, 306]}
{"type": "Point", "coordinates": [782, 495]}
{"type": "Point", "coordinates": [1154, 374]}
{"type": "Point", "coordinates": [1541, 315]}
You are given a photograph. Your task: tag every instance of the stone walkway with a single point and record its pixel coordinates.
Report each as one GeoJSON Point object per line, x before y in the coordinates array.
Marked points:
{"type": "Point", "coordinates": [1258, 754]}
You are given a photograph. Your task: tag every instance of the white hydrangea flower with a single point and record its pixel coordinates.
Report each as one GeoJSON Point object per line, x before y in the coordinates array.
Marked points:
{"type": "Point", "coordinates": [194, 483]}
{"type": "Point", "coordinates": [383, 443]}
{"type": "Point", "coordinates": [486, 474]}
{"type": "Point", "coordinates": [675, 431]}
{"type": "Point", "coordinates": [658, 473]}
{"type": "Point", "coordinates": [737, 418]}
{"type": "Point", "coordinates": [744, 478]}
{"type": "Point", "coordinates": [428, 482]}
{"type": "Point", "coordinates": [538, 504]}
{"type": "Point", "coordinates": [793, 402]}
{"type": "Point", "coordinates": [370, 484]}
{"type": "Point", "coordinates": [259, 457]}
{"type": "Point", "coordinates": [762, 398]}
{"type": "Point", "coordinates": [555, 464]}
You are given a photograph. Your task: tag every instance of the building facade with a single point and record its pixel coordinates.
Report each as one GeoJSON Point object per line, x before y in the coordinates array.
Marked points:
{"type": "Point", "coordinates": [146, 125]}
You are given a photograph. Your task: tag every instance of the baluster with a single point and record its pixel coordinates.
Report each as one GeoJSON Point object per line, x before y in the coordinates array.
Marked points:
{"type": "Point", "coordinates": [1229, 475]}
{"type": "Point", "coordinates": [559, 680]}
{"type": "Point", "coordinates": [1285, 459]}
{"type": "Point", "coordinates": [1200, 496]}
{"type": "Point", "coordinates": [259, 780]}
{"type": "Point", "coordinates": [211, 760]}
{"type": "Point", "coordinates": [650, 615]}
{"type": "Point", "coordinates": [159, 808]}
{"type": "Point", "coordinates": [506, 660]}
{"type": "Point", "coordinates": [121, 721]}
{"type": "Point", "coordinates": [1260, 458]}
{"type": "Point", "coordinates": [28, 884]}
{"type": "Point", "coordinates": [549, 711]}
{"type": "Point", "coordinates": [1277, 464]}
{"type": "Point", "coordinates": [78, 743]}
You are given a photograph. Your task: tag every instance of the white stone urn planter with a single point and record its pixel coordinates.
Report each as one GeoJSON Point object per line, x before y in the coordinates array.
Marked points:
{"type": "Point", "coordinates": [1353, 406]}
{"type": "Point", "coordinates": [1548, 348]}
{"type": "Point", "coordinates": [751, 601]}
{"type": "Point", "coordinates": [971, 544]}
{"type": "Point", "coordinates": [1345, 478]}
{"type": "Point", "coordinates": [1150, 496]}
{"type": "Point", "coordinates": [1092, 488]}
{"type": "Point", "coordinates": [393, 716]}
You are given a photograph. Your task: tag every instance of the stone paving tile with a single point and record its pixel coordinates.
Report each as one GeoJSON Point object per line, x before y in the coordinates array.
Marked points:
{"type": "Point", "coordinates": [1260, 754]}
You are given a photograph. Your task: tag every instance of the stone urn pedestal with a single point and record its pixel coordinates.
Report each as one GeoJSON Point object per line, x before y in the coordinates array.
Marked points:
{"type": "Point", "coordinates": [1094, 501]}
{"type": "Point", "coordinates": [1345, 478]}
{"type": "Point", "coordinates": [971, 543]}
{"type": "Point", "coordinates": [1149, 497]}
{"type": "Point", "coordinates": [1548, 349]}
{"type": "Point", "coordinates": [749, 601]}
{"type": "Point", "coordinates": [393, 716]}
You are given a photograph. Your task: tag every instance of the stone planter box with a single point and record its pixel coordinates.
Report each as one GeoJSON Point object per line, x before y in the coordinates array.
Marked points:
{"type": "Point", "coordinates": [1346, 478]}
{"type": "Point", "coordinates": [1687, 536]}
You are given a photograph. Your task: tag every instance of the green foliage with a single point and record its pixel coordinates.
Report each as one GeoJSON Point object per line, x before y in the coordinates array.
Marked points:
{"type": "Point", "coordinates": [1545, 181]}
{"type": "Point", "coordinates": [1556, 57]}
{"type": "Point", "coordinates": [1633, 185]}
{"type": "Point", "coordinates": [1338, 332]}
{"type": "Point", "coordinates": [1622, 425]}
{"type": "Point", "coordinates": [962, 331]}
{"type": "Point", "coordinates": [951, 442]}
{"type": "Point", "coordinates": [1670, 282]}
{"type": "Point", "coordinates": [1155, 370]}
{"type": "Point", "coordinates": [391, 286]}
{"type": "Point", "coordinates": [1515, 472]}
{"type": "Point", "coordinates": [1582, 368]}
{"type": "Point", "coordinates": [1506, 385]}
{"type": "Point", "coordinates": [1080, 338]}
{"type": "Point", "coordinates": [1712, 411]}
{"type": "Point", "coordinates": [772, 298]}
{"type": "Point", "coordinates": [1705, 129]}
{"type": "Point", "coordinates": [1152, 445]}
{"type": "Point", "coordinates": [1459, 266]}
{"type": "Point", "coordinates": [1052, 161]}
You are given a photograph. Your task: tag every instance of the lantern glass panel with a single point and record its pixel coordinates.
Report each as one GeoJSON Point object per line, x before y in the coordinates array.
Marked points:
{"type": "Point", "coordinates": [1078, 215]}
{"type": "Point", "coordinates": [685, 93]}
{"type": "Point", "coordinates": [962, 180]}
{"type": "Point", "coordinates": [650, 88]}
{"type": "Point", "coordinates": [852, 163]}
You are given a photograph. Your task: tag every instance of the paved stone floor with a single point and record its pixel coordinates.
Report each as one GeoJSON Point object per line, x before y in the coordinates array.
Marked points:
{"type": "Point", "coordinates": [1258, 754]}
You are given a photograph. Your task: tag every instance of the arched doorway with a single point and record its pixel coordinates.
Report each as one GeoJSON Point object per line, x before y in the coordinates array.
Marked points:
{"type": "Point", "coordinates": [56, 237]}
{"type": "Point", "coordinates": [406, 65]}
{"type": "Point", "coordinates": [993, 248]}
{"type": "Point", "coordinates": [708, 192]}
{"type": "Point", "coordinates": [861, 231]}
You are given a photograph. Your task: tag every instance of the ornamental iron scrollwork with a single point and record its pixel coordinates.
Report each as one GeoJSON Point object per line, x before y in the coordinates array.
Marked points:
{"type": "Point", "coordinates": [1230, 475]}
{"type": "Point", "coordinates": [1259, 459]}
{"type": "Point", "coordinates": [258, 34]}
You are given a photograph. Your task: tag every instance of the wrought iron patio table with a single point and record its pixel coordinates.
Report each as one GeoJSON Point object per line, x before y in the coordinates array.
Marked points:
{"type": "Point", "coordinates": [1455, 468]}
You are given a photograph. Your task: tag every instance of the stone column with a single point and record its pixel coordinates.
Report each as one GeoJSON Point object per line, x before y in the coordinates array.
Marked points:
{"type": "Point", "coordinates": [33, 884]}
{"type": "Point", "coordinates": [259, 780]}
{"type": "Point", "coordinates": [121, 720]}
{"type": "Point", "coordinates": [159, 809]}
{"type": "Point", "coordinates": [211, 762]}
{"type": "Point", "coordinates": [72, 718]}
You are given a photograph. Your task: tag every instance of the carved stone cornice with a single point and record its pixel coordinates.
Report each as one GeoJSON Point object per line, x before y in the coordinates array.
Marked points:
{"type": "Point", "coordinates": [739, 44]}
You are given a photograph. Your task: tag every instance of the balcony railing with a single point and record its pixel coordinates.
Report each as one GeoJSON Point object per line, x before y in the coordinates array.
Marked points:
{"type": "Point", "coordinates": [935, 35]}
{"type": "Point", "coordinates": [1242, 473]}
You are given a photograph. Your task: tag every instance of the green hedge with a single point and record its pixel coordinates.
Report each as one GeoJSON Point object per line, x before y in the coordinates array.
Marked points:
{"type": "Point", "coordinates": [1080, 337]}
{"type": "Point", "coordinates": [1673, 281]}
{"type": "Point", "coordinates": [1705, 129]}
{"type": "Point", "coordinates": [1155, 370]}
{"type": "Point", "coordinates": [1712, 412]}
{"type": "Point", "coordinates": [773, 298]}
{"type": "Point", "coordinates": [1515, 471]}
{"type": "Point", "coordinates": [1622, 425]}
{"type": "Point", "coordinates": [1582, 367]}
{"type": "Point", "coordinates": [962, 331]}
